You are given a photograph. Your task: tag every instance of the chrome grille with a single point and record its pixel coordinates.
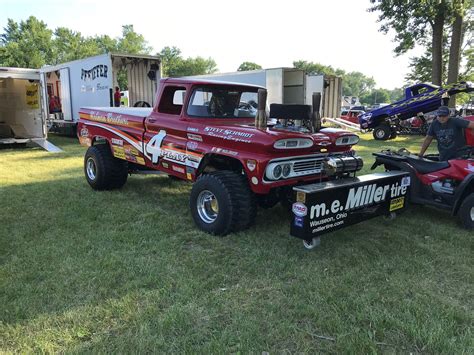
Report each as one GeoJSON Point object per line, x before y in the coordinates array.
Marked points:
{"type": "Point", "coordinates": [308, 165]}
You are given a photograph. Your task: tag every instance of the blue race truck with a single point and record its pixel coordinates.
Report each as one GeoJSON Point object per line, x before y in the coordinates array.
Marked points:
{"type": "Point", "coordinates": [423, 97]}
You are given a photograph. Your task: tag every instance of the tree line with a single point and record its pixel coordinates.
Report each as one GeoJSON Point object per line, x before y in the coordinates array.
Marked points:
{"type": "Point", "coordinates": [31, 44]}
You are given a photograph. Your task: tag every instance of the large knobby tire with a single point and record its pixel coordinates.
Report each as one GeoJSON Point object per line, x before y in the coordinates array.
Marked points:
{"type": "Point", "coordinates": [382, 132]}
{"type": "Point", "coordinates": [102, 170]}
{"type": "Point", "coordinates": [466, 212]}
{"type": "Point", "coordinates": [221, 202]}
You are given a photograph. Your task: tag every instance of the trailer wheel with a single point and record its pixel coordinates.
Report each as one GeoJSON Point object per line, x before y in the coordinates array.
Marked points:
{"type": "Point", "coordinates": [382, 132]}
{"type": "Point", "coordinates": [391, 216]}
{"type": "Point", "coordinates": [221, 202]}
{"type": "Point", "coordinates": [310, 245]}
{"type": "Point", "coordinates": [466, 212]}
{"type": "Point", "coordinates": [102, 170]}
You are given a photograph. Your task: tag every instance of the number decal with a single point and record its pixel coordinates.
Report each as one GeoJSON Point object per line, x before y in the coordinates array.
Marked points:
{"type": "Point", "coordinates": [153, 147]}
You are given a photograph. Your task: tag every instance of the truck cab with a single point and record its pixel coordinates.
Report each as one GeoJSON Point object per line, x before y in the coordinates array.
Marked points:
{"type": "Point", "coordinates": [419, 89]}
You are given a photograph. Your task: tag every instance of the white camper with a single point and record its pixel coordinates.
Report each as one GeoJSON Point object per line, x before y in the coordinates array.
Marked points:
{"type": "Point", "coordinates": [92, 81]}
{"type": "Point", "coordinates": [290, 86]}
{"type": "Point", "coordinates": [21, 114]}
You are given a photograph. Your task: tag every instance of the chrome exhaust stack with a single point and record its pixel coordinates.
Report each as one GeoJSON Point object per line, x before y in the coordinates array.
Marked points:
{"type": "Point", "coordinates": [261, 117]}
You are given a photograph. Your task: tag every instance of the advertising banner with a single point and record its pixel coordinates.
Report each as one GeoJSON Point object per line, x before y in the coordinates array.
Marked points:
{"type": "Point", "coordinates": [328, 206]}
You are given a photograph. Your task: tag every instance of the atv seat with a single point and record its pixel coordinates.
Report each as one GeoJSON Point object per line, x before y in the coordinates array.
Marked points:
{"type": "Point", "coordinates": [425, 166]}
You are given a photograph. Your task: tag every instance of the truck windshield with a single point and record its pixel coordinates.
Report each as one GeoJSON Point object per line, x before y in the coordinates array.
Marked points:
{"type": "Point", "coordinates": [212, 102]}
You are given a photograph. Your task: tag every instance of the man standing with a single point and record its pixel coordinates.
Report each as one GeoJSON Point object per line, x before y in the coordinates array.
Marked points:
{"type": "Point", "coordinates": [449, 133]}
{"type": "Point", "coordinates": [117, 97]}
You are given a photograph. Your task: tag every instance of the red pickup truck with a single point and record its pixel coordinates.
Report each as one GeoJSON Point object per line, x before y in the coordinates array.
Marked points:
{"type": "Point", "coordinates": [209, 133]}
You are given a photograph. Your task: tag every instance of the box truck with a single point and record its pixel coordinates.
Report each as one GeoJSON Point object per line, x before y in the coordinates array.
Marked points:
{"type": "Point", "coordinates": [290, 86]}
{"type": "Point", "coordinates": [92, 82]}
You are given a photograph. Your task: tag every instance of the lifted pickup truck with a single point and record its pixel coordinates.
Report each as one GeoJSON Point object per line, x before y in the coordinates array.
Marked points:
{"type": "Point", "coordinates": [213, 134]}
{"type": "Point", "coordinates": [385, 121]}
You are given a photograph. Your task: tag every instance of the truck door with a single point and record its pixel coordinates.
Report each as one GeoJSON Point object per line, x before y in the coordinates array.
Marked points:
{"type": "Point", "coordinates": [165, 137]}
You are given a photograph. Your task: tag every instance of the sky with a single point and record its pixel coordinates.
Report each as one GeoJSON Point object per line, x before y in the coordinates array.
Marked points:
{"type": "Point", "coordinates": [340, 33]}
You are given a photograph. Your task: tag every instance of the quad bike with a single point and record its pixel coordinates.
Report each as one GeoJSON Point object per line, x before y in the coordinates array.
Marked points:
{"type": "Point", "coordinates": [415, 125]}
{"type": "Point", "coordinates": [447, 185]}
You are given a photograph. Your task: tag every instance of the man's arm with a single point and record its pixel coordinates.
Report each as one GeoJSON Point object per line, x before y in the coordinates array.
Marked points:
{"type": "Point", "coordinates": [463, 123]}
{"type": "Point", "coordinates": [425, 145]}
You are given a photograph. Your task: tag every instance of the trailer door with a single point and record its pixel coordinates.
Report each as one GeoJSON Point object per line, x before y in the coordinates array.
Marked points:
{"type": "Point", "coordinates": [65, 94]}
{"type": "Point", "coordinates": [44, 102]}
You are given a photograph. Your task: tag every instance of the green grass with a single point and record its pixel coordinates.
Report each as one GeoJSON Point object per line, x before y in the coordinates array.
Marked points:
{"type": "Point", "coordinates": [127, 271]}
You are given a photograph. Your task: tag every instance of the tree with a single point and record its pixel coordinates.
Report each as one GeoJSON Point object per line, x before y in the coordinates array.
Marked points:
{"type": "Point", "coordinates": [170, 59]}
{"type": "Point", "coordinates": [314, 68]}
{"type": "Point", "coordinates": [421, 67]}
{"type": "Point", "coordinates": [414, 21]}
{"type": "Point", "coordinates": [132, 42]}
{"type": "Point", "coordinates": [27, 44]}
{"type": "Point", "coordinates": [353, 83]}
{"type": "Point", "coordinates": [427, 22]}
{"type": "Point", "coordinates": [173, 64]}
{"type": "Point", "coordinates": [375, 96]}
{"type": "Point", "coordinates": [455, 47]}
{"type": "Point", "coordinates": [249, 66]}
{"type": "Point", "coordinates": [69, 45]}
{"type": "Point", "coordinates": [356, 84]}
{"type": "Point", "coordinates": [396, 94]}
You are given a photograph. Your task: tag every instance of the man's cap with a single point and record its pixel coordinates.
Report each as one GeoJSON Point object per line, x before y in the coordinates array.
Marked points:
{"type": "Point", "coordinates": [443, 111]}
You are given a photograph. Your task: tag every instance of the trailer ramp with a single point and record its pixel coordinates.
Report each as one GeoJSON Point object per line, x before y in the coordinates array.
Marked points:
{"type": "Point", "coordinates": [343, 123]}
{"type": "Point", "coordinates": [46, 145]}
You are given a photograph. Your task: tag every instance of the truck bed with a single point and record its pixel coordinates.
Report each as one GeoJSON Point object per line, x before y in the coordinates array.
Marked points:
{"type": "Point", "coordinates": [129, 111]}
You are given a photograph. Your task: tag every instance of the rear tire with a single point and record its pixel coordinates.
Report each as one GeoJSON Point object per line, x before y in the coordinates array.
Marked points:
{"type": "Point", "coordinates": [382, 132]}
{"type": "Point", "coordinates": [466, 212]}
{"type": "Point", "coordinates": [102, 170]}
{"type": "Point", "coordinates": [221, 202]}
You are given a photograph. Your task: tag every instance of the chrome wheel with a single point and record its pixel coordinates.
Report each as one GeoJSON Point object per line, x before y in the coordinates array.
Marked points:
{"type": "Point", "coordinates": [472, 213]}
{"type": "Point", "coordinates": [91, 169]}
{"type": "Point", "coordinates": [207, 206]}
{"type": "Point", "coordinates": [380, 134]}
{"type": "Point", "coordinates": [309, 245]}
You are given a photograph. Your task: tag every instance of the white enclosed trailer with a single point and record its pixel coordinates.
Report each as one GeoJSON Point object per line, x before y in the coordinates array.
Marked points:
{"type": "Point", "coordinates": [290, 86]}
{"type": "Point", "coordinates": [92, 81]}
{"type": "Point", "coordinates": [21, 112]}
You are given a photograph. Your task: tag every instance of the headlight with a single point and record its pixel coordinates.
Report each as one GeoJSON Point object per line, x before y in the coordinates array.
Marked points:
{"type": "Point", "coordinates": [277, 170]}
{"type": "Point", "coordinates": [293, 143]}
{"type": "Point", "coordinates": [347, 140]}
{"type": "Point", "coordinates": [286, 170]}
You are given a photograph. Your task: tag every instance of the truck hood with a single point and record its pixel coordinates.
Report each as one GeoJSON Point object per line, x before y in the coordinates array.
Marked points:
{"type": "Point", "coordinates": [246, 136]}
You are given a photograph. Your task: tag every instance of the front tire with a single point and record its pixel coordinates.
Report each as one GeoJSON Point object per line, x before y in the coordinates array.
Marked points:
{"type": "Point", "coordinates": [102, 170]}
{"type": "Point", "coordinates": [382, 132]}
{"type": "Point", "coordinates": [221, 202]}
{"type": "Point", "coordinates": [466, 212]}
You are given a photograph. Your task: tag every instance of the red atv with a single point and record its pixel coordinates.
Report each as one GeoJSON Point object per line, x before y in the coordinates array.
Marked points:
{"type": "Point", "coordinates": [444, 184]}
